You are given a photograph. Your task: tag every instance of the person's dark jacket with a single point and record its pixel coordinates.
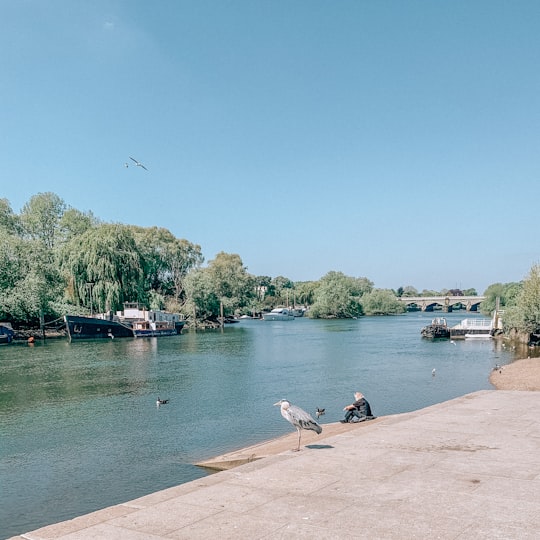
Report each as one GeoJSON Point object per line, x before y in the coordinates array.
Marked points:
{"type": "Point", "coordinates": [361, 411]}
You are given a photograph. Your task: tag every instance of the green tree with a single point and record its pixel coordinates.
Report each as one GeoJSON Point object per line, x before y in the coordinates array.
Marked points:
{"type": "Point", "coordinates": [524, 315]}
{"type": "Point", "coordinates": [470, 292]}
{"type": "Point", "coordinates": [233, 285]}
{"type": "Point", "coordinates": [305, 292]}
{"type": "Point", "coordinates": [281, 291]}
{"type": "Point", "coordinates": [504, 293]}
{"type": "Point", "coordinates": [339, 296]}
{"type": "Point", "coordinates": [28, 280]}
{"type": "Point", "coordinates": [14, 265]}
{"type": "Point", "coordinates": [225, 281]}
{"type": "Point", "coordinates": [409, 291]}
{"type": "Point", "coordinates": [29, 256]}
{"type": "Point", "coordinates": [40, 218]}
{"type": "Point", "coordinates": [529, 300]}
{"type": "Point", "coordinates": [202, 300]}
{"type": "Point", "coordinates": [74, 223]}
{"type": "Point", "coordinates": [263, 287]}
{"type": "Point", "coordinates": [105, 262]}
{"type": "Point", "coordinates": [166, 262]}
{"type": "Point", "coordinates": [427, 292]}
{"type": "Point", "coordinates": [382, 302]}
{"type": "Point", "coordinates": [181, 257]}
{"type": "Point", "coordinates": [9, 222]}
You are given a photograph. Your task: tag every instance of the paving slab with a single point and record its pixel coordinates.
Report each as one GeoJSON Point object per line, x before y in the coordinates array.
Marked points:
{"type": "Point", "coordinates": [467, 468]}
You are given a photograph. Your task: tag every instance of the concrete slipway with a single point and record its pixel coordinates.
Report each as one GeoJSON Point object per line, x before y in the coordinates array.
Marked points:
{"type": "Point", "coordinates": [464, 469]}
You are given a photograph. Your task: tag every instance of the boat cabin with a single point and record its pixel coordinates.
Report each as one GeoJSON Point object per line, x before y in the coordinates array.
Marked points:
{"type": "Point", "coordinates": [152, 325]}
{"type": "Point", "coordinates": [133, 312]}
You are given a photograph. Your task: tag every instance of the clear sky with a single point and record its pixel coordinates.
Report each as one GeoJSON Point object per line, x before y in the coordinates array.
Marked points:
{"type": "Point", "coordinates": [390, 139]}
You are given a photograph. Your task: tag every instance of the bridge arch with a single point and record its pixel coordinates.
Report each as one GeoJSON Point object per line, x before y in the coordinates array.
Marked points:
{"type": "Point", "coordinates": [447, 303]}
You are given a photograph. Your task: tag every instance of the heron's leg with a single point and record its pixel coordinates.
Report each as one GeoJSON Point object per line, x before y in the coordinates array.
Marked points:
{"type": "Point", "coordinates": [299, 437]}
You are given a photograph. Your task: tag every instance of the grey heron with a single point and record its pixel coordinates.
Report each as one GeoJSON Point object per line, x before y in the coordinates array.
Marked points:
{"type": "Point", "coordinates": [137, 163]}
{"type": "Point", "coordinates": [299, 418]}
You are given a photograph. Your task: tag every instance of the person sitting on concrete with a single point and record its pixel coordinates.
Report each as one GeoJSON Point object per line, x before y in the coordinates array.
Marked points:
{"type": "Point", "coordinates": [359, 411]}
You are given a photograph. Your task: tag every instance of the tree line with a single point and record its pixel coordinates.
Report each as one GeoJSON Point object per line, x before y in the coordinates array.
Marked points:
{"type": "Point", "coordinates": [55, 259]}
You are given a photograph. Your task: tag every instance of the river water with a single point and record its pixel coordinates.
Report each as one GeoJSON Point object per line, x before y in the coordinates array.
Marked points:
{"type": "Point", "coordinates": [80, 429]}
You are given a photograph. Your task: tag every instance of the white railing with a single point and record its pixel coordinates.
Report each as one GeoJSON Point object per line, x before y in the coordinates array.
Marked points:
{"type": "Point", "coordinates": [475, 324]}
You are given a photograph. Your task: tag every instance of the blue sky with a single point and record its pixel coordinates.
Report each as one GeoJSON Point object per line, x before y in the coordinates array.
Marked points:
{"type": "Point", "coordinates": [391, 139]}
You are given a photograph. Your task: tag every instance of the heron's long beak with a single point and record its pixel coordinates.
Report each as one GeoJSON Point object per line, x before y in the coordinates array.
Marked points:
{"type": "Point", "coordinates": [278, 403]}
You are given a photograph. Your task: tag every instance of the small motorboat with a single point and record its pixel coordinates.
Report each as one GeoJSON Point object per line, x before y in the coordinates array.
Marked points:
{"type": "Point", "coordinates": [278, 314]}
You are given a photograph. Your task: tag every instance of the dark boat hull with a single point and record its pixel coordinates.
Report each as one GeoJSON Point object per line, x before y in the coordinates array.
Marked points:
{"type": "Point", "coordinates": [92, 328]}
{"type": "Point", "coordinates": [435, 332]}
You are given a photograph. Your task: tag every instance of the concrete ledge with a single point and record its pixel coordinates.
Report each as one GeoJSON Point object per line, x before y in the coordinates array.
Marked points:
{"type": "Point", "coordinates": [282, 444]}
{"type": "Point", "coordinates": [467, 468]}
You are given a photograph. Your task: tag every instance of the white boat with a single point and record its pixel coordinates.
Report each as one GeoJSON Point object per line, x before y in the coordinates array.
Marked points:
{"type": "Point", "coordinates": [478, 336]}
{"type": "Point", "coordinates": [278, 314]}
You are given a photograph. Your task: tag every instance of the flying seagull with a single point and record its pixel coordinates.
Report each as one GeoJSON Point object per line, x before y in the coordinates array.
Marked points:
{"type": "Point", "coordinates": [299, 418]}
{"type": "Point", "coordinates": [137, 163]}
{"type": "Point", "coordinates": [320, 412]}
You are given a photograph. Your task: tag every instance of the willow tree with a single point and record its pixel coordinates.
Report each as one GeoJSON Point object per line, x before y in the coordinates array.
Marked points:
{"type": "Point", "coordinates": [104, 266]}
{"type": "Point", "coordinates": [166, 260]}
{"type": "Point", "coordinates": [305, 292]}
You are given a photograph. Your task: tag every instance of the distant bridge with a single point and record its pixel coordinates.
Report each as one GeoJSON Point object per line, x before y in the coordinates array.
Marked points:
{"type": "Point", "coordinates": [427, 303]}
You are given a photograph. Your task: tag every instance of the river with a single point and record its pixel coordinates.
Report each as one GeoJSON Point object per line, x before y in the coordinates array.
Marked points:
{"type": "Point", "coordinates": [80, 429]}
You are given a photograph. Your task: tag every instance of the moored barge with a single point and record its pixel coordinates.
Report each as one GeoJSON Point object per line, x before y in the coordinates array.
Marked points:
{"type": "Point", "coordinates": [132, 321]}
{"type": "Point", "coordinates": [95, 328]}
